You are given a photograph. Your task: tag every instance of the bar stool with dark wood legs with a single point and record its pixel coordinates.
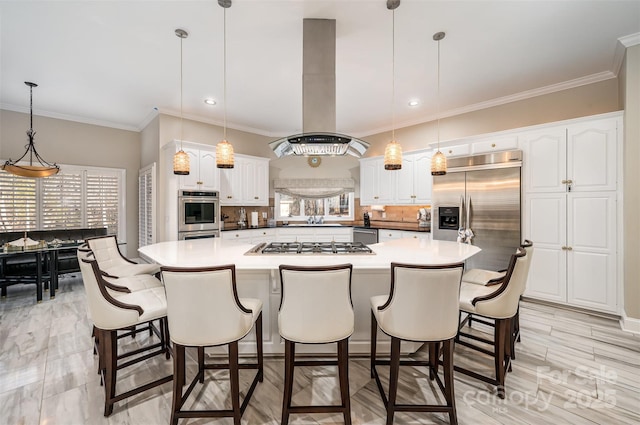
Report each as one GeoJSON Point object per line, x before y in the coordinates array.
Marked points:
{"type": "Point", "coordinates": [422, 305]}
{"type": "Point", "coordinates": [500, 304]}
{"type": "Point", "coordinates": [110, 260]}
{"type": "Point", "coordinates": [316, 308]}
{"type": "Point", "coordinates": [203, 310]}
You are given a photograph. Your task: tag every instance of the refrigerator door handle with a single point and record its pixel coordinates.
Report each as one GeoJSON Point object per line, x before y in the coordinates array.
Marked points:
{"type": "Point", "coordinates": [468, 233]}
{"type": "Point", "coordinates": [461, 221]}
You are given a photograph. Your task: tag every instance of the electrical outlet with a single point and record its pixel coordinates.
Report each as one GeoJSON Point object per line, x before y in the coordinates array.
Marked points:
{"type": "Point", "coordinates": [264, 215]}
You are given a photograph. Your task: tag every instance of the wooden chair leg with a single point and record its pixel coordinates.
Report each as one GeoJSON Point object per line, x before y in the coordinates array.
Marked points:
{"type": "Point", "coordinates": [109, 341]}
{"type": "Point", "coordinates": [289, 357]}
{"type": "Point", "coordinates": [500, 332]}
{"type": "Point", "coordinates": [259, 352]}
{"type": "Point", "coordinates": [201, 364]}
{"type": "Point", "coordinates": [343, 372]}
{"type": "Point", "coordinates": [235, 382]}
{"type": "Point", "coordinates": [394, 373]}
{"type": "Point", "coordinates": [448, 380]}
{"type": "Point", "coordinates": [178, 379]}
{"type": "Point", "coordinates": [374, 340]}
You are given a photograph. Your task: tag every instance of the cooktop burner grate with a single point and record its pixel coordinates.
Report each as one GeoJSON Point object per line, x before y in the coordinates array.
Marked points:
{"type": "Point", "coordinates": [311, 248]}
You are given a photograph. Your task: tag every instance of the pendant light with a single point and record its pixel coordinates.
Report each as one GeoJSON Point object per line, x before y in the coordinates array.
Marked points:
{"type": "Point", "coordinates": [393, 151]}
{"type": "Point", "coordinates": [438, 161]}
{"type": "Point", "coordinates": [224, 149]}
{"type": "Point", "coordinates": [181, 159]}
{"type": "Point", "coordinates": [41, 168]}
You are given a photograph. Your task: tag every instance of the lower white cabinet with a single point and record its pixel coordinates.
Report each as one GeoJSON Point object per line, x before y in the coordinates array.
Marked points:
{"type": "Point", "coordinates": [388, 234]}
{"type": "Point", "coordinates": [574, 237]}
{"type": "Point", "coordinates": [290, 234]}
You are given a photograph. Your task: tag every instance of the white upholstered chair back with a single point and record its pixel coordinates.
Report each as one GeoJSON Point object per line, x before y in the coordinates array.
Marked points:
{"type": "Point", "coordinates": [315, 305]}
{"type": "Point", "coordinates": [528, 247]}
{"type": "Point", "coordinates": [105, 251]}
{"type": "Point", "coordinates": [423, 303]}
{"type": "Point", "coordinates": [505, 304]}
{"type": "Point", "coordinates": [104, 314]}
{"type": "Point", "coordinates": [203, 308]}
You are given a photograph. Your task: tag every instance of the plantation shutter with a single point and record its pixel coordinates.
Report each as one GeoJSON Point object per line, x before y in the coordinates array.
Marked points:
{"type": "Point", "coordinates": [146, 201]}
{"type": "Point", "coordinates": [61, 201]}
{"type": "Point", "coordinates": [102, 200]}
{"type": "Point", "coordinates": [17, 203]}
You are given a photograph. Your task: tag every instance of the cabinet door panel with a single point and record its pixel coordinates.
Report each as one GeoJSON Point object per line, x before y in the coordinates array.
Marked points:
{"type": "Point", "coordinates": [592, 155]}
{"type": "Point", "coordinates": [545, 160]}
{"type": "Point", "coordinates": [545, 226]}
{"type": "Point", "coordinates": [368, 182]}
{"type": "Point", "coordinates": [190, 181]}
{"type": "Point", "coordinates": [547, 275]}
{"type": "Point", "coordinates": [208, 171]}
{"type": "Point", "coordinates": [422, 179]}
{"type": "Point", "coordinates": [592, 272]}
{"type": "Point", "coordinates": [404, 193]}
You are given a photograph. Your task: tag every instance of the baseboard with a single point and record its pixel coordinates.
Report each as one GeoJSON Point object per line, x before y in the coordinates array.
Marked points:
{"type": "Point", "coordinates": [630, 324]}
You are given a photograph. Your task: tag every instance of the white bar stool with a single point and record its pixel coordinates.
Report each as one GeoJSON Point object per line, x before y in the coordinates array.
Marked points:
{"type": "Point", "coordinates": [111, 261]}
{"type": "Point", "coordinates": [203, 310]}
{"type": "Point", "coordinates": [316, 308]}
{"type": "Point", "coordinates": [422, 305]}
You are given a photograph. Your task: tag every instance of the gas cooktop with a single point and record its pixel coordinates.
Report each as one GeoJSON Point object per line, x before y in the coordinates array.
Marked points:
{"type": "Point", "coordinates": [310, 248]}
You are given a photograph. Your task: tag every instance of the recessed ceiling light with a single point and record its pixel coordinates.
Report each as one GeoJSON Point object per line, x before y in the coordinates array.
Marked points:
{"type": "Point", "coordinates": [414, 103]}
{"type": "Point", "coordinates": [210, 101]}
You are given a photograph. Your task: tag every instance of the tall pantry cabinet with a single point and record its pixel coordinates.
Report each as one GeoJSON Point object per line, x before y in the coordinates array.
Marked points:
{"type": "Point", "coordinates": [570, 211]}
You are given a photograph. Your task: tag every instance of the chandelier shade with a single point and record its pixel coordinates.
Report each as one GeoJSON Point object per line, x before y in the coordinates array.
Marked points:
{"type": "Point", "coordinates": [181, 164]}
{"type": "Point", "coordinates": [37, 166]}
{"type": "Point", "coordinates": [438, 161]}
{"type": "Point", "coordinates": [393, 156]}
{"type": "Point", "coordinates": [224, 149]}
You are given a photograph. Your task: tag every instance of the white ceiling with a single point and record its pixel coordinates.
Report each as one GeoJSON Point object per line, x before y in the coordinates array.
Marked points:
{"type": "Point", "coordinates": [114, 62]}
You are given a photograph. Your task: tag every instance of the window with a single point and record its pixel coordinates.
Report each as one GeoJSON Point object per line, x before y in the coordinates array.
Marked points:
{"type": "Point", "coordinates": [146, 201]}
{"type": "Point", "coordinates": [339, 207]}
{"type": "Point", "coordinates": [74, 198]}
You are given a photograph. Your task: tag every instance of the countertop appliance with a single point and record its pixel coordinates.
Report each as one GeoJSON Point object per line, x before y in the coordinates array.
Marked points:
{"type": "Point", "coordinates": [367, 220]}
{"type": "Point", "coordinates": [326, 248]}
{"type": "Point", "coordinates": [478, 202]}
{"type": "Point", "coordinates": [365, 235]}
{"type": "Point", "coordinates": [198, 211]}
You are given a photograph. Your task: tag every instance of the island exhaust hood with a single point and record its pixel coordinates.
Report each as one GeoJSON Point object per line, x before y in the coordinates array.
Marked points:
{"type": "Point", "coordinates": [319, 99]}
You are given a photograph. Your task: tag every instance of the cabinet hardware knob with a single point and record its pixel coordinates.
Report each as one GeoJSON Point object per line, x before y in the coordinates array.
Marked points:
{"type": "Point", "coordinates": [567, 248]}
{"type": "Point", "coordinates": [229, 196]}
{"type": "Point", "coordinates": [450, 151]}
{"type": "Point", "coordinates": [375, 197]}
{"type": "Point", "coordinates": [493, 145]}
{"type": "Point", "coordinates": [255, 197]}
{"type": "Point", "coordinates": [237, 235]}
{"type": "Point", "coordinates": [199, 182]}
{"type": "Point", "coordinates": [415, 237]}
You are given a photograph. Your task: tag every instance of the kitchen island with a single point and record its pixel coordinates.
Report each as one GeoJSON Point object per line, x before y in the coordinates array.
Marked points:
{"type": "Point", "coordinates": [258, 277]}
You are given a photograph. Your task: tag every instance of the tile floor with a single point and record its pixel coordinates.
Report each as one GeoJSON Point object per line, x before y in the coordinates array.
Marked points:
{"type": "Point", "coordinates": [570, 368]}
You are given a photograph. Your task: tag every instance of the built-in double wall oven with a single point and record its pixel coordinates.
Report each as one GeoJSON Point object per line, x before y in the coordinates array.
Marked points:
{"type": "Point", "coordinates": [198, 214]}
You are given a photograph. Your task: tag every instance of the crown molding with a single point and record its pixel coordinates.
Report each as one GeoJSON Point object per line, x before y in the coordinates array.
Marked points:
{"type": "Point", "coordinates": [621, 47]}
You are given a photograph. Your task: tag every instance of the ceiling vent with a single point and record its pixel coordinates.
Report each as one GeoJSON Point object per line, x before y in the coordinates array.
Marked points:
{"type": "Point", "coordinates": [319, 99]}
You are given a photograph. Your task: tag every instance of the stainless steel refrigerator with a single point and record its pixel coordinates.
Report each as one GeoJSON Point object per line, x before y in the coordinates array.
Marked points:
{"type": "Point", "coordinates": [478, 202]}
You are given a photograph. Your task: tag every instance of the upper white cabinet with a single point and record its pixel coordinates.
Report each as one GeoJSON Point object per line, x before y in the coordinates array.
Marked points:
{"type": "Point", "coordinates": [376, 183]}
{"type": "Point", "coordinates": [409, 185]}
{"type": "Point", "coordinates": [247, 183]}
{"type": "Point", "coordinates": [203, 174]}
{"type": "Point", "coordinates": [570, 212]}
{"type": "Point", "coordinates": [578, 157]}
{"type": "Point", "coordinates": [413, 181]}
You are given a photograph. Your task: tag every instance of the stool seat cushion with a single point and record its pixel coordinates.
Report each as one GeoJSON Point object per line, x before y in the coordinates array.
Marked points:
{"type": "Point", "coordinates": [128, 269]}
{"type": "Point", "coordinates": [135, 283]}
{"type": "Point", "coordinates": [481, 277]}
{"type": "Point", "coordinates": [253, 304]}
{"type": "Point", "coordinates": [469, 291]}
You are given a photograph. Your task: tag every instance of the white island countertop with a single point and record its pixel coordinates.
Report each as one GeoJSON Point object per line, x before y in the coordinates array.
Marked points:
{"type": "Point", "coordinates": [216, 251]}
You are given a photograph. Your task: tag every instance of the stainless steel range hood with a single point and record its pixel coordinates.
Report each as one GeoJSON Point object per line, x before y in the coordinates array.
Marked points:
{"type": "Point", "coordinates": [319, 98]}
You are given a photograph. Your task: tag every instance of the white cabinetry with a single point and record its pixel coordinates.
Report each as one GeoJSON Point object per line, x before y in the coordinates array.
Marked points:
{"type": "Point", "coordinates": [388, 234]}
{"type": "Point", "coordinates": [570, 212]}
{"type": "Point", "coordinates": [203, 174]}
{"type": "Point", "coordinates": [409, 185]}
{"type": "Point", "coordinates": [376, 183]}
{"type": "Point", "coordinates": [247, 183]}
{"type": "Point", "coordinates": [413, 181]}
{"type": "Point", "coordinates": [253, 236]}
{"type": "Point", "coordinates": [314, 234]}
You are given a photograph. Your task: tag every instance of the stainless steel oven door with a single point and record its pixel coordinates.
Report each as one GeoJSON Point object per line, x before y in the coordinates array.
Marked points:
{"type": "Point", "coordinates": [198, 214]}
{"type": "Point", "coordinates": [184, 236]}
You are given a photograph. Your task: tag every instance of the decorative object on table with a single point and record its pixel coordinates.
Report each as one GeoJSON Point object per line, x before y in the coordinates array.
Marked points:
{"type": "Point", "coordinates": [24, 244]}
{"type": "Point", "coordinates": [438, 161]}
{"type": "Point", "coordinates": [181, 164]}
{"type": "Point", "coordinates": [41, 168]}
{"type": "Point", "coordinates": [224, 149]}
{"type": "Point", "coordinates": [393, 151]}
